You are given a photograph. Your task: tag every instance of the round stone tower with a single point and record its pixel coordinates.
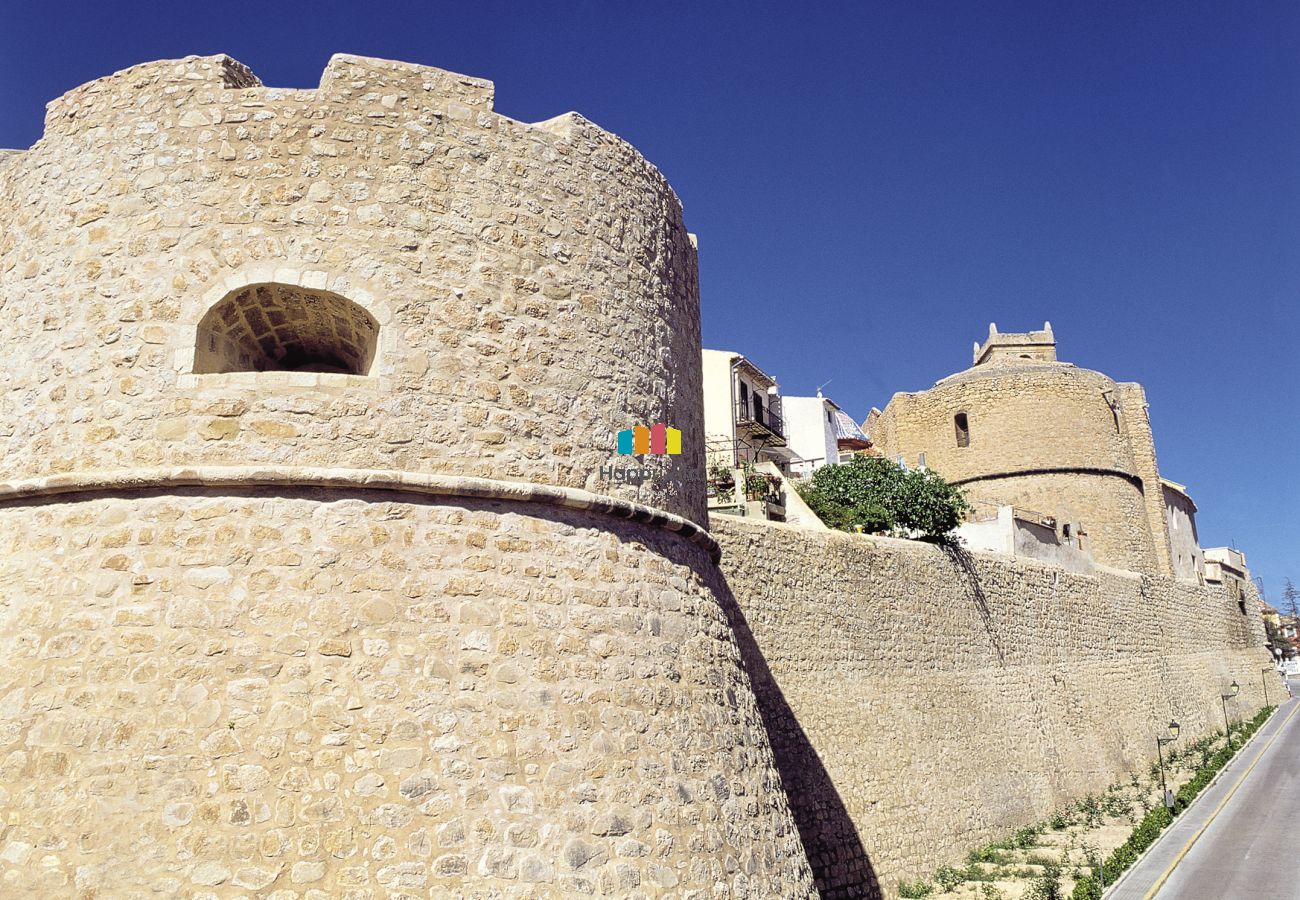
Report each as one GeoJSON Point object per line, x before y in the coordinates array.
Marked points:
{"type": "Point", "coordinates": [310, 585]}
{"type": "Point", "coordinates": [1021, 428]}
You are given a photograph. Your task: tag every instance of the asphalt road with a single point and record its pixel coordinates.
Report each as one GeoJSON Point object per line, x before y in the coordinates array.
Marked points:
{"type": "Point", "coordinates": [1251, 849]}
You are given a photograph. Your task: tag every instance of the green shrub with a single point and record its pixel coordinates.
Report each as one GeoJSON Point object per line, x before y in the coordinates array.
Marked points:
{"type": "Point", "coordinates": [876, 495]}
{"type": "Point", "coordinates": [1027, 837]}
{"type": "Point", "coordinates": [947, 878]}
{"type": "Point", "coordinates": [1114, 805]}
{"type": "Point", "coordinates": [1090, 810]}
{"type": "Point", "coordinates": [1047, 886]}
{"type": "Point", "coordinates": [994, 854]}
{"type": "Point", "coordinates": [915, 890]}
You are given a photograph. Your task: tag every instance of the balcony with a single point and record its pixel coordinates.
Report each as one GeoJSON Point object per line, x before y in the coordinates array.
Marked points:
{"type": "Point", "coordinates": [759, 423]}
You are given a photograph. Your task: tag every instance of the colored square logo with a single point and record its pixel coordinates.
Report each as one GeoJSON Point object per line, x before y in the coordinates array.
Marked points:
{"type": "Point", "coordinates": [656, 440]}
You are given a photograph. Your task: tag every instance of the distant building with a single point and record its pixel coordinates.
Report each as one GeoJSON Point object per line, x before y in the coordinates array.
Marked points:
{"type": "Point", "coordinates": [1269, 615]}
{"type": "Point", "coordinates": [744, 419]}
{"type": "Point", "coordinates": [820, 432]}
{"type": "Point", "coordinates": [1022, 429]}
{"type": "Point", "coordinates": [1223, 564]}
{"type": "Point", "coordinates": [1185, 553]}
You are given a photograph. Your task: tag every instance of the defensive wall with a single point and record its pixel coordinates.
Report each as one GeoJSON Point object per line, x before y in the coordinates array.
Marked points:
{"type": "Point", "coordinates": [309, 587]}
{"type": "Point", "coordinates": [923, 703]}
{"type": "Point", "coordinates": [1064, 441]}
{"type": "Point", "coordinates": [302, 591]}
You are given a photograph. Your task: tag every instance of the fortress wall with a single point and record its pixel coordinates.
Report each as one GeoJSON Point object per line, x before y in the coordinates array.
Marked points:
{"type": "Point", "coordinates": [1051, 416]}
{"type": "Point", "coordinates": [920, 706]}
{"type": "Point", "coordinates": [1043, 436]}
{"type": "Point", "coordinates": [534, 284]}
{"type": "Point", "coordinates": [369, 695]}
{"type": "Point", "coordinates": [1137, 423]}
{"type": "Point", "coordinates": [1111, 508]}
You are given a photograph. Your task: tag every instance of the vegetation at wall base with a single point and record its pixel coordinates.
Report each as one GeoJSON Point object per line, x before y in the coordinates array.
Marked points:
{"type": "Point", "coordinates": [1144, 835]}
{"type": "Point", "coordinates": [1020, 856]}
{"type": "Point", "coordinates": [878, 496]}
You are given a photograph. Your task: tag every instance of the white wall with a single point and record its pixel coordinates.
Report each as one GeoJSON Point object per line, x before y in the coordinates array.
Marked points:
{"type": "Point", "coordinates": [719, 418]}
{"type": "Point", "coordinates": [808, 432]}
{"type": "Point", "coordinates": [1184, 547]}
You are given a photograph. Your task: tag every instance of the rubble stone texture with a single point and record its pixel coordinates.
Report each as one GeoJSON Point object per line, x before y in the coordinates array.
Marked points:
{"type": "Point", "coordinates": [534, 287]}
{"type": "Point", "coordinates": [308, 591]}
{"type": "Point", "coordinates": [300, 593]}
{"type": "Point", "coordinates": [1044, 436]}
{"type": "Point", "coordinates": [923, 704]}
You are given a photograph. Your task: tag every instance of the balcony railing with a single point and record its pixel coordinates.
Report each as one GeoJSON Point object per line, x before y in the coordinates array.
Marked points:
{"type": "Point", "coordinates": [754, 416]}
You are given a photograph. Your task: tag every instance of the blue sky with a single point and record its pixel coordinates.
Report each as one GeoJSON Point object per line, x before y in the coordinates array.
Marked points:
{"type": "Point", "coordinates": [872, 183]}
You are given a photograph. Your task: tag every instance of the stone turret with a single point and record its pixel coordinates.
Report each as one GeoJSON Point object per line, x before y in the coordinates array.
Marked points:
{"type": "Point", "coordinates": [1039, 345]}
{"type": "Point", "coordinates": [309, 579]}
{"type": "Point", "coordinates": [1022, 428]}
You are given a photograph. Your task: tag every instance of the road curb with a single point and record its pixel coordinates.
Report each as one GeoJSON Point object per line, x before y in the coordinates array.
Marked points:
{"type": "Point", "coordinates": [1164, 876]}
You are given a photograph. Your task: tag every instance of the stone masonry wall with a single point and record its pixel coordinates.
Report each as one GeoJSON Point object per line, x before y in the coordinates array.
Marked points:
{"type": "Point", "coordinates": [1043, 436]}
{"type": "Point", "coordinates": [922, 704]}
{"type": "Point", "coordinates": [1112, 510]}
{"type": "Point", "coordinates": [534, 284]}
{"type": "Point", "coordinates": [362, 697]}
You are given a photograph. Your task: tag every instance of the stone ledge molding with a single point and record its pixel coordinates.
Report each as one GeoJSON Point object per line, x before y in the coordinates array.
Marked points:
{"type": "Point", "coordinates": [1052, 470]}
{"type": "Point", "coordinates": [122, 481]}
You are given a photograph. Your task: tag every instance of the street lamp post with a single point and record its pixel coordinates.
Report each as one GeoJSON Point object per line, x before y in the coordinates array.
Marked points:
{"type": "Point", "coordinates": [1263, 677]}
{"type": "Point", "coordinates": [1233, 690]}
{"type": "Point", "coordinates": [1160, 743]}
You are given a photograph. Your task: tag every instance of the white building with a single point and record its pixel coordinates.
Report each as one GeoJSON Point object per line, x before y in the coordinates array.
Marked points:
{"type": "Point", "coordinates": [744, 419]}
{"type": "Point", "coordinates": [820, 432]}
{"type": "Point", "coordinates": [1184, 546]}
{"type": "Point", "coordinates": [1225, 564]}
{"type": "Point", "coordinates": [1013, 531]}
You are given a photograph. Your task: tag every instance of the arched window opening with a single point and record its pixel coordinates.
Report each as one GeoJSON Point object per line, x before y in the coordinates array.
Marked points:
{"type": "Point", "coordinates": [963, 429]}
{"type": "Point", "coordinates": [285, 328]}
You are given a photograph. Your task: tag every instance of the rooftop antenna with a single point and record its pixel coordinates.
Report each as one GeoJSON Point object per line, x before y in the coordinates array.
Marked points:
{"type": "Point", "coordinates": [822, 385]}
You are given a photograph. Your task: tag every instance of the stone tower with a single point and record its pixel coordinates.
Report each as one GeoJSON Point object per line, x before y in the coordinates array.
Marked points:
{"type": "Point", "coordinates": [1020, 427]}
{"type": "Point", "coordinates": [304, 581]}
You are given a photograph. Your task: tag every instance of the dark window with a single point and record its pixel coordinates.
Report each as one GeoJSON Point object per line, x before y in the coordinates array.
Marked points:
{"type": "Point", "coordinates": [744, 395]}
{"type": "Point", "coordinates": [963, 430]}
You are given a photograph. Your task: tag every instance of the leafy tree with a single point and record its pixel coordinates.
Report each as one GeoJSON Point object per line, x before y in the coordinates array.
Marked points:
{"type": "Point", "coordinates": [876, 495]}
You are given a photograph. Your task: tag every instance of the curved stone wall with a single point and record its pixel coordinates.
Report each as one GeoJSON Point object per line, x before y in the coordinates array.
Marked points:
{"type": "Point", "coordinates": [534, 286]}
{"type": "Point", "coordinates": [364, 694]}
{"type": "Point", "coordinates": [300, 588]}
{"type": "Point", "coordinates": [1046, 436]}
{"type": "Point", "coordinates": [1111, 508]}
{"type": "Point", "coordinates": [1035, 416]}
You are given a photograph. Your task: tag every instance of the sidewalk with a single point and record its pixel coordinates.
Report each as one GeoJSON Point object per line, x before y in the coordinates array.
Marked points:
{"type": "Point", "coordinates": [1213, 857]}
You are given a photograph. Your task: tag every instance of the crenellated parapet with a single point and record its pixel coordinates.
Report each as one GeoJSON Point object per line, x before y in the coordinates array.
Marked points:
{"type": "Point", "coordinates": [309, 579]}
{"type": "Point", "coordinates": [528, 290]}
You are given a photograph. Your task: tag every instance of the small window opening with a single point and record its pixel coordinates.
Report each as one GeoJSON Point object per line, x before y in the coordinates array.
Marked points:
{"type": "Point", "coordinates": [1025, 356]}
{"type": "Point", "coordinates": [963, 429]}
{"type": "Point", "coordinates": [285, 328]}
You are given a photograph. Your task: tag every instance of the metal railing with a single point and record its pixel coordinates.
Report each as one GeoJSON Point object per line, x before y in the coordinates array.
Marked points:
{"type": "Point", "coordinates": [755, 413]}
